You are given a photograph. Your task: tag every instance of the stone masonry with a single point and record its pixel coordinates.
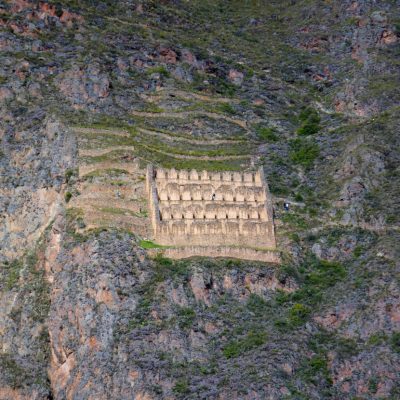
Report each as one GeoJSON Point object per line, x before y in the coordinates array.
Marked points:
{"type": "Point", "coordinates": [216, 214]}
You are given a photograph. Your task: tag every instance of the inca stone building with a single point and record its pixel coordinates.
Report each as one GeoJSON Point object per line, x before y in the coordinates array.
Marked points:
{"type": "Point", "coordinates": [216, 214]}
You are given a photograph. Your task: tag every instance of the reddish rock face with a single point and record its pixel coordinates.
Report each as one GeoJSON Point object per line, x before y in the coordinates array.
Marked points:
{"type": "Point", "coordinates": [5, 94]}
{"type": "Point", "coordinates": [41, 10]}
{"type": "Point", "coordinates": [388, 37]}
{"type": "Point", "coordinates": [315, 45]}
{"type": "Point", "coordinates": [84, 86]}
{"type": "Point", "coordinates": [236, 77]}
{"type": "Point", "coordinates": [188, 57]}
{"type": "Point", "coordinates": [168, 56]}
{"type": "Point", "coordinates": [258, 102]}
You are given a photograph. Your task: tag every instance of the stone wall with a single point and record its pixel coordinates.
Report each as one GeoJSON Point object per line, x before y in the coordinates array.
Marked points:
{"type": "Point", "coordinates": [222, 251]}
{"type": "Point", "coordinates": [208, 209]}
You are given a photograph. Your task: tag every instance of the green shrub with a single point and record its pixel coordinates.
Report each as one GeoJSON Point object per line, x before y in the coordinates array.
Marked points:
{"type": "Point", "coordinates": [358, 250]}
{"type": "Point", "coordinates": [395, 342]}
{"type": "Point", "coordinates": [317, 275]}
{"type": "Point", "coordinates": [317, 363]}
{"type": "Point", "coordinates": [68, 175]}
{"type": "Point", "coordinates": [303, 152]}
{"type": "Point", "coordinates": [67, 196]}
{"type": "Point", "coordinates": [12, 270]}
{"type": "Point", "coordinates": [298, 197]}
{"type": "Point", "coordinates": [232, 349]}
{"type": "Point", "coordinates": [377, 339]}
{"type": "Point", "coordinates": [310, 122]}
{"type": "Point", "coordinates": [282, 297]}
{"type": "Point", "coordinates": [181, 387]}
{"type": "Point", "coordinates": [308, 128]}
{"type": "Point", "coordinates": [307, 114]}
{"type": "Point", "coordinates": [186, 317]}
{"type": "Point", "coordinates": [13, 374]}
{"type": "Point", "coordinates": [298, 314]}
{"type": "Point", "coordinates": [257, 305]}
{"type": "Point", "coordinates": [317, 368]}
{"type": "Point", "coordinates": [295, 220]}
{"type": "Point", "coordinates": [158, 70]}
{"type": "Point", "coordinates": [346, 347]}
{"type": "Point", "coordinates": [223, 87]}
{"type": "Point", "coordinates": [226, 108]}
{"type": "Point", "coordinates": [373, 384]}
{"type": "Point", "coordinates": [251, 341]}
{"type": "Point", "coordinates": [325, 274]}
{"type": "Point", "coordinates": [267, 134]}
{"type": "Point", "coordinates": [166, 268]}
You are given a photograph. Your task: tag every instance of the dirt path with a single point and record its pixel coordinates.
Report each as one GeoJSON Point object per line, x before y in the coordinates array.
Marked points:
{"type": "Point", "coordinates": [185, 114]}
{"type": "Point", "coordinates": [107, 202]}
{"type": "Point", "coordinates": [190, 96]}
{"type": "Point", "coordinates": [187, 140]}
{"type": "Point", "coordinates": [102, 152]}
{"type": "Point", "coordinates": [131, 168]}
{"type": "Point", "coordinates": [204, 158]}
{"type": "Point", "coordinates": [120, 132]}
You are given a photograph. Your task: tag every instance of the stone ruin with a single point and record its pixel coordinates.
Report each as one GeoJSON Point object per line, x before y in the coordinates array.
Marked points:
{"type": "Point", "coordinates": [214, 214]}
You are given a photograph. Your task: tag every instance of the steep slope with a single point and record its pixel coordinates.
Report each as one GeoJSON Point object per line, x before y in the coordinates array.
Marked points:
{"type": "Point", "coordinates": [91, 92]}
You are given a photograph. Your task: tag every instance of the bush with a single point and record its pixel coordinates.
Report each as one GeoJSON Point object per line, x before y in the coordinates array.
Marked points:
{"type": "Point", "coordinates": [395, 342]}
{"type": "Point", "coordinates": [181, 387]}
{"type": "Point", "coordinates": [310, 122]}
{"type": "Point", "coordinates": [303, 152]}
{"type": "Point", "coordinates": [316, 368]}
{"type": "Point", "coordinates": [223, 87]}
{"type": "Point", "coordinates": [298, 197]}
{"type": "Point", "coordinates": [68, 175]}
{"type": "Point", "coordinates": [325, 274]}
{"type": "Point", "coordinates": [251, 341]}
{"type": "Point", "coordinates": [298, 314]}
{"type": "Point", "coordinates": [377, 339]}
{"type": "Point", "coordinates": [257, 305]}
{"type": "Point", "coordinates": [158, 70]}
{"type": "Point", "coordinates": [267, 134]}
{"type": "Point", "coordinates": [226, 108]}
{"type": "Point", "coordinates": [12, 270]}
{"type": "Point", "coordinates": [308, 128]}
{"type": "Point", "coordinates": [186, 317]}
{"type": "Point", "coordinates": [67, 196]}
{"type": "Point", "coordinates": [13, 374]}
{"type": "Point", "coordinates": [358, 251]}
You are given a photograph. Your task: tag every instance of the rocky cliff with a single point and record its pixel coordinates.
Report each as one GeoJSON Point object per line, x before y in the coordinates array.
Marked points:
{"type": "Point", "coordinates": [90, 92]}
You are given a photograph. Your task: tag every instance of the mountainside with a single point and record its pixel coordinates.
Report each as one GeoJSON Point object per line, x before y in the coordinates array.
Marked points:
{"type": "Point", "coordinates": [92, 92]}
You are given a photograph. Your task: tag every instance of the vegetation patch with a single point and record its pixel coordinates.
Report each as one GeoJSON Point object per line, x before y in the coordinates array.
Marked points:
{"type": "Point", "coordinates": [226, 108]}
{"type": "Point", "coordinates": [159, 69]}
{"type": "Point", "coordinates": [310, 121]}
{"type": "Point", "coordinates": [148, 244]}
{"type": "Point", "coordinates": [10, 272]}
{"type": "Point", "coordinates": [315, 276]}
{"type": "Point", "coordinates": [303, 152]}
{"type": "Point", "coordinates": [67, 196]}
{"type": "Point", "coordinates": [316, 368]}
{"type": "Point", "coordinates": [11, 371]}
{"type": "Point", "coordinates": [395, 342]}
{"type": "Point", "coordinates": [186, 317]}
{"type": "Point", "coordinates": [267, 134]}
{"type": "Point", "coordinates": [251, 341]}
{"type": "Point", "coordinates": [298, 314]}
{"type": "Point", "coordinates": [181, 387]}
